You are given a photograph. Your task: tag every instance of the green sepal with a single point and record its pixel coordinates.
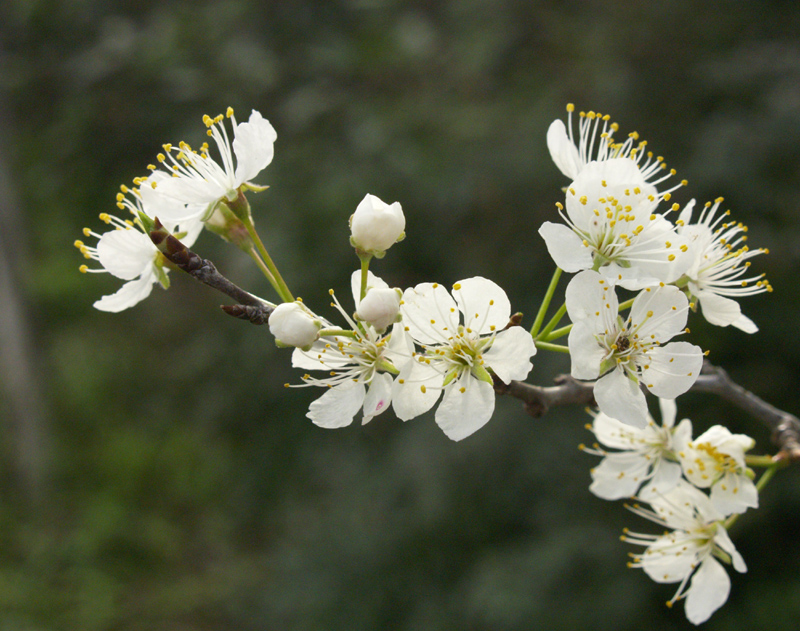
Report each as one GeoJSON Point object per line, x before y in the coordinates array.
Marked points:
{"type": "Point", "coordinates": [451, 376]}
{"type": "Point", "coordinates": [479, 372]}
{"type": "Point", "coordinates": [147, 222]}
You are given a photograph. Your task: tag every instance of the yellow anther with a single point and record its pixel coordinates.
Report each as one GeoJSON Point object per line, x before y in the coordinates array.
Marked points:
{"type": "Point", "coordinates": [83, 269]}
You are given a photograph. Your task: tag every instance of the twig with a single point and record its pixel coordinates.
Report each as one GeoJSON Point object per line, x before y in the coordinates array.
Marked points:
{"type": "Point", "coordinates": [249, 307]}
{"type": "Point", "coordinates": [785, 427]}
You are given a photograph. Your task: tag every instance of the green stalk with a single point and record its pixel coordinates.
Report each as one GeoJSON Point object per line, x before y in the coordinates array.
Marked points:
{"type": "Point", "coordinates": [556, 348]}
{"type": "Point", "coordinates": [553, 322]}
{"type": "Point", "coordinates": [546, 302]}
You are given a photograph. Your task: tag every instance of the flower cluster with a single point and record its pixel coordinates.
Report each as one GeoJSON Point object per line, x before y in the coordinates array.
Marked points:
{"type": "Point", "coordinates": [663, 466]}
{"type": "Point", "coordinates": [412, 348]}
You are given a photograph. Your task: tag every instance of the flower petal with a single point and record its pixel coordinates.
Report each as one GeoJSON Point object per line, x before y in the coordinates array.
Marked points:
{"type": "Point", "coordinates": [337, 407]}
{"type": "Point", "coordinates": [565, 247]}
{"type": "Point", "coordinates": [126, 253]}
{"type": "Point", "coordinates": [131, 293]}
{"type": "Point", "coordinates": [483, 302]}
{"type": "Point", "coordinates": [379, 396]}
{"type": "Point", "coordinates": [430, 313]}
{"type": "Point", "coordinates": [621, 398]}
{"type": "Point", "coordinates": [563, 152]}
{"type": "Point", "coordinates": [585, 353]}
{"type": "Point", "coordinates": [467, 406]}
{"type": "Point", "coordinates": [709, 590]}
{"type": "Point", "coordinates": [253, 146]}
{"type": "Point", "coordinates": [415, 390]}
{"type": "Point", "coordinates": [509, 356]}
{"type": "Point", "coordinates": [672, 369]}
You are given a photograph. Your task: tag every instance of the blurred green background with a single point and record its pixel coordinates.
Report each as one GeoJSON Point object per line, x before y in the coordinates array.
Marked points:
{"type": "Point", "coordinates": [154, 472]}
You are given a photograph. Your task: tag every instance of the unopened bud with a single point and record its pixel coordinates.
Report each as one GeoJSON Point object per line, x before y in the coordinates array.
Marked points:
{"type": "Point", "coordinates": [293, 325]}
{"type": "Point", "coordinates": [376, 226]}
{"type": "Point", "coordinates": [380, 307]}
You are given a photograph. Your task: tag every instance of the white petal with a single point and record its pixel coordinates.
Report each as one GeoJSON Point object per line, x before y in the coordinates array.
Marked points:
{"type": "Point", "coordinates": [734, 493]}
{"type": "Point", "coordinates": [126, 253]}
{"type": "Point", "coordinates": [128, 295]}
{"type": "Point", "coordinates": [585, 353]}
{"type": "Point", "coordinates": [718, 310]}
{"type": "Point", "coordinates": [461, 414]}
{"type": "Point", "coordinates": [743, 323]}
{"type": "Point", "coordinates": [611, 433]}
{"type": "Point", "coordinates": [709, 590]}
{"type": "Point", "coordinates": [586, 294]}
{"type": "Point", "coordinates": [619, 475]}
{"type": "Point", "coordinates": [379, 396]}
{"type": "Point", "coordinates": [669, 412]}
{"type": "Point", "coordinates": [723, 540]}
{"type": "Point", "coordinates": [253, 146]}
{"type": "Point", "coordinates": [430, 313]}
{"type": "Point", "coordinates": [565, 247]}
{"type": "Point", "coordinates": [483, 302]}
{"type": "Point", "coordinates": [338, 406]}
{"type": "Point", "coordinates": [621, 398]}
{"type": "Point", "coordinates": [562, 151]}
{"type": "Point", "coordinates": [408, 398]}
{"type": "Point", "coordinates": [355, 285]}
{"type": "Point", "coordinates": [669, 308]}
{"type": "Point", "coordinates": [672, 369]}
{"type": "Point", "coordinates": [169, 210]}
{"type": "Point", "coordinates": [509, 356]}
{"type": "Point", "coordinates": [665, 478]}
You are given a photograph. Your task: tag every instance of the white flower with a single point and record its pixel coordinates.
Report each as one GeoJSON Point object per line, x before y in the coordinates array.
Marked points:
{"type": "Point", "coordinates": [376, 226]}
{"type": "Point", "coordinates": [691, 550]}
{"type": "Point", "coordinates": [456, 357]}
{"type": "Point", "coordinates": [572, 158]}
{"type": "Point", "coordinates": [716, 459]}
{"type": "Point", "coordinates": [127, 251]}
{"type": "Point", "coordinates": [200, 180]}
{"type": "Point", "coordinates": [358, 367]}
{"type": "Point", "coordinates": [612, 222]}
{"type": "Point", "coordinates": [293, 324]}
{"type": "Point", "coordinates": [647, 456]}
{"type": "Point", "coordinates": [380, 307]}
{"type": "Point", "coordinates": [719, 264]}
{"type": "Point", "coordinates": [621, 352]}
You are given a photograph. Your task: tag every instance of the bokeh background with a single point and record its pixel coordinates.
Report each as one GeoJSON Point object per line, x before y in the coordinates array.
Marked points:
{"type": "Point", "coordinates": [154, 472]}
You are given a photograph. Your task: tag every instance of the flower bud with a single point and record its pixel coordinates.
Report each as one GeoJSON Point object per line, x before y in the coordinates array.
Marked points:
{"type": "Point", "coordinates": [294, 325]}
{"type": "Point", "coordinates": [376, 226]}
{"type": "Point", "coordinates": [380, 307]}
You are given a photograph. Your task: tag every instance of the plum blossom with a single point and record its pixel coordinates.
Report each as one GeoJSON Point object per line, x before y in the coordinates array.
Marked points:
{"type": "Point", "coordinates": [595, 143]}
{"type": "Point", "coordinates": [457, 358]}
{"type": "Point", "coordinates": [293, 324]}
{"type": "Point", "coordinates": [377, 226]}
{"type": "Point", "coordinates": [127, 251]}
{"type": "Point", "coordinates": [199, 180]}
{"type": "Point", "coordinates": [716, 460]}
{"type": "Point", "coordinates": [646, 457]}
{"type": "Point", "coordinates": [612, 226]}
{"type": "Point", "coordinates": [359, 364]}
{"type": "Point", "coordinates": [690, 551]}
{"type": "Point", "coordinates": [719, 264]}
{"type": "Point", "coordinates": [622, 352]}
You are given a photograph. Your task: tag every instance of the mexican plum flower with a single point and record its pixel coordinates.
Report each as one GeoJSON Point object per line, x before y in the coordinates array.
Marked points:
{"type": "Point", "coordinates": [645, 457]}
{"type": "Point", "coordinates": [198, 179]}
{"type": "Point", "coordinates": [377, 226]}
{"type": "Point", "coordinates": [457, 357]}
{"type": "Point", "coordinates": [612, 226]}
{"type": "Point", "coordinates": [359, 364]}
{"type": "Point", "coordinates": [690, 551]}
{"type": "Point", "coordinates": [380, 307]}
{"type": "Point", "coordinates": [292, 324]}
{"type": "Point", "coordinates": [127, 251]}
{"type": "Point", "coordinates": [719, 265]}
{"type": "Point", "coordinates": [716, 459]}
{"type": "Point", "coordinates": [619, 353]}
{"type": "Point", "coordinates": [595, 143]}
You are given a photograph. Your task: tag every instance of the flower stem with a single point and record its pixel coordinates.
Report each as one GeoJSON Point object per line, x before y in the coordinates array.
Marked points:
{"type": "Point", "coordinates": [546, 302]}
{"type": "Point", "coordinates": [556, 348]}
{"type": "Point", "coordinates": [553, 322]}
{"type": "Point", "coordinates": [365, 259]}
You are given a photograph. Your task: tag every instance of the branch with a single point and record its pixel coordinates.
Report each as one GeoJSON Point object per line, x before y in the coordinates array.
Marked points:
{"type": "Point", "coordinates": [249, 307]}
{"type": "Point", "coordinates": [785, 427]}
